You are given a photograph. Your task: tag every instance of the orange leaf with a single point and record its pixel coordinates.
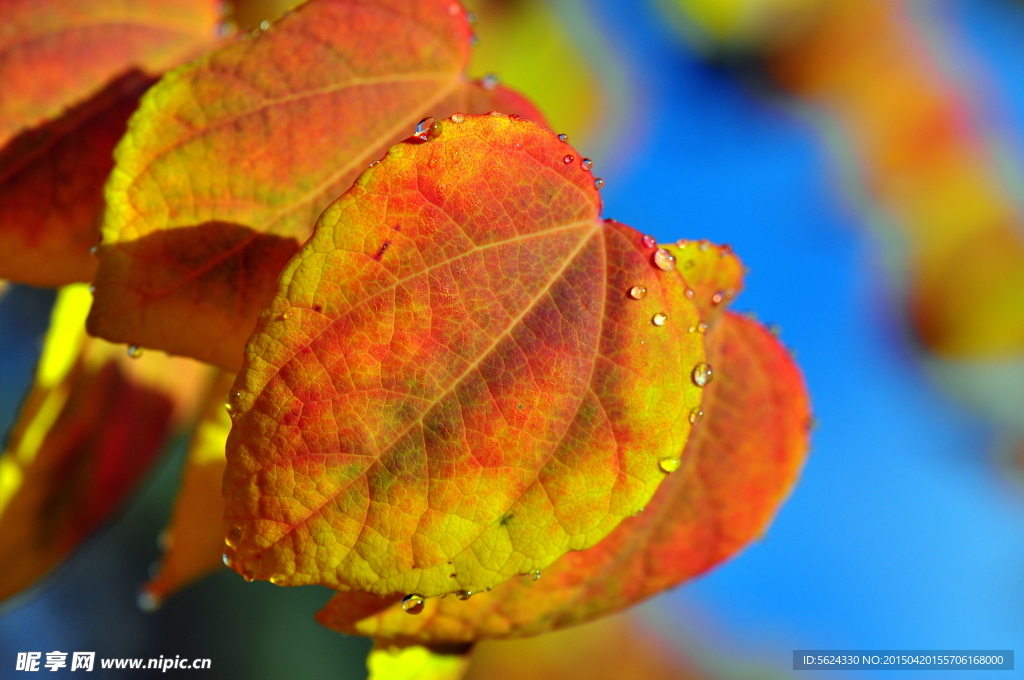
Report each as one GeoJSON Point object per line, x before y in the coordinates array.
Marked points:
{"type": "Point", "coordinates": [459, 378]}
{"type": "Point", "coordinates": [72, 74]}
{"type": "Point", "coordinates": [741, 461]}
{"type": "Point", "coordinates": [51, 187]}
{"type": "Point", "coordinates": [194, 539]}
{"type": "Point", "coordinates": [231, 158]}
{"type": "Point", "coordinates": [88, 431]}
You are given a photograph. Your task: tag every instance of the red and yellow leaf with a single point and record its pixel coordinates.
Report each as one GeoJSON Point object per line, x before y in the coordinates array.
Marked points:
{"type": "Point", "coordinates": [86, 434]}
{"type": "Point", "coordinates": [740, 463]}
{"type": "Point", "coordinates": [72, 75]}
{"type": "Point", "coordinates": [194, 539]}
{"type": "Point", "coordinates": [453, 384]}
{"type": "Point", "coordinates": [231, 158]}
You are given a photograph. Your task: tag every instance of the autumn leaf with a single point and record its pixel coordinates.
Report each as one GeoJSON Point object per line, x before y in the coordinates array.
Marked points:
{"type": "Point", "coordinates": [73, 74]}
{"type": "Point", "coordinates": [88, 431]}
{"type": "Point", "coordinates": [231, 158]}
{"type": "Point", "coordinates": [194, 539]}
{"type": "Point", "coordinates": [464, 374]}
{"type": "Point", "coordinates": [742, 459]}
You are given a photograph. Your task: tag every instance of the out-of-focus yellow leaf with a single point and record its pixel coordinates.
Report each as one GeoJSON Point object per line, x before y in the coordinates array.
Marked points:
{"type": "Point", "coordinates": [563, 66]}
{"type": "Point", "coordinates": [194, 539]}
{"type": "Point", "coordinates": [415, 663]}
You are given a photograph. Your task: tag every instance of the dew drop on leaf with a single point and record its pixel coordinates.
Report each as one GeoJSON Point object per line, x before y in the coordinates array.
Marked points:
{"type": "Point", "coordinates": [647, 241]}
{"type": "Point", "coordinates": [563, 137]}
{"type": "Point", "coordinates": [637, 292]}
{"type": "Point", "coordinates": [569, 158]}
{"type": "Point", "coordinates": [134, 351]}
{"type": "Point", "coordinates": [598, 183]}
{"type": "Point", "coordinates": [427, 129]}
{"type": "Point", "coordinates": [696, 415]}
{"type": "Point", "coordinates": [413, 604]}
{"type": "Point", "coordinates": [702, 374]}
{"type": "Point", "coordinates": [670, 464]}
{"type": "Point", "coordinates": [464, 594]}
{"type": "Point", "coordinates": [534, 575]}
{"type": "Point", "coordinates": [226, 560]}
{"type": "Point", "coordinates": [659, 319]}
{"type": "Point", "coordinates": [586, 164]}
{"type": "Point", "coordinates": [717, 298]}
{"type": "Point", "coordinates": [458, 118]}
{"type": "Point", "coordinates": [490, 81]}
{"type": "Point", "coordinates": [234, 536]}
{"type": "Point", "coordinates": [664, 260]}
{"type": "Point", "coordinates": [689, 293]}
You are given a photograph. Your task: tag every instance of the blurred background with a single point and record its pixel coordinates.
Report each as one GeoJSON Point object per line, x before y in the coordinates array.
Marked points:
{"type": "Point", "coordinates": [865, 160]}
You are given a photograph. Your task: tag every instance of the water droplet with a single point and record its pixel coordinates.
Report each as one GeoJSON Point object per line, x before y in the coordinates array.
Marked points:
{"type": "Point", "coordinates": [702, 374]}
{"type": "Point", "coordinates": [276, 579]}
{"type": "Point", "coordinates": [683, 242]}
{"type": "Point", "coordinates": [471, 17]}
{"type": "Point", "coordinates": [701, 328]}
{"type": "Point", "coordinates": [563, 137]}
{"type": "Point", "coordinates": [670, 464]}
{"type": "Point", "coordinates": [264, 25]}
{"type": "Point", "coordinates": [703, 245]}
{"type": "Point", "coordinates": [664, 260]}
{"type": "Point", "coordinates": [474, 39]}
{"type": "Point", "coordinates": [659, 319]}
{"type": "Point", "coordinates": [93, 250]}
{"type": "Point", "coordinates": [586, 164]}
{"type": "Point", "coordinates": [134, 351]}
{"type": "Point", "coordinates": [147, 601]}
{"type": "Point", "coordinates": [639, 512]}
{"type": "Point", "coordinates": [598, 183]}
{"type": "Point", "coordinates": [287, 315]}
{"type": "Point", "coordinates": [689, 293]}
{"type": "Point", "coordinates": [534, 575]}
{"type": "Point", "coordinates": [413, 604]}
{"type": "Point", "coordinates": [458, 118]}
{"type": "Point", "coordinates": [490, 81]}
{"type": "Point", "coordinates": [427, 129]}
{"type": "Point", "coordinates": [648, 241]}
{"type": "Point", "coordinates": [464, 594]}
{"type": "Point", "coordinates": [696, 415]}
{"type": "Point", "coordinates": [775, 329]}
{"type": "Point", "coordinates": [717, 298]}
{"type": "Point", "coordinates": [637, 292]}
{"type": "Point", "coordinates": [227, 560]}
{"type": "Point", "coordinates": [234, 536]}
{"type": "Point", "coordinates": [374, 164]}
{"type": "Point", "coordinates": [92, 289]}
{"type": "Point", "coordinates": [569, 158]}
